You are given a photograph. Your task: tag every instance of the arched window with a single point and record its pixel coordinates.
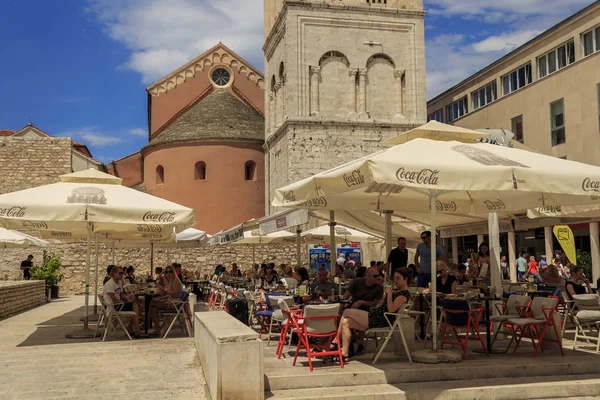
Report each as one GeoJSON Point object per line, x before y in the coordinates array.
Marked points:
{"type": "Point", "coordinates": [333, 78]}
{"type": "Point", "coordinates": [200, 171]}
{"type": "Point", "coordinates": [160, 175]}
{"type": "Point", "coordinates": [250, 171]}
{"type": "Point", "coordinates": [382, 87]}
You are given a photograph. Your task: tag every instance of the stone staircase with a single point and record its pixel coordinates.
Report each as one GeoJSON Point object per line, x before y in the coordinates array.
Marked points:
{"type": "Point", "coordinates": [501, 376]}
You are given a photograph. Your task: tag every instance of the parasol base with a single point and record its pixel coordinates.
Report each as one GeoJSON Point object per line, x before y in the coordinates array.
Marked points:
{"type": "Point", "coordinates": [435, 357]}
{"type": "Point", "coordinates": [82, 334]}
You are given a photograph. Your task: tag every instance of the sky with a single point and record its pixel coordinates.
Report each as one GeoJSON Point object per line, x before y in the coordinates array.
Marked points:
{"type": "Point", "coordinates": [79, 68]}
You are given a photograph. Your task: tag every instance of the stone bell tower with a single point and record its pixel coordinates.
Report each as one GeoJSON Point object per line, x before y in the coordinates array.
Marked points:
{"type": "Point", "coordinates": [341, 77]}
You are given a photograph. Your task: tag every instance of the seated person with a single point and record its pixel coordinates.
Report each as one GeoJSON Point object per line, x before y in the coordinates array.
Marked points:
{"type": "Point", "coordinates": [446, 283]}
{"type": "Point", "coordinates": [361, 271]}
{"type": "Point", "coordinates": [461, 275]}
{"type": "Point", "coordinates": [350, 270]}
{"type": "Point", "coordinates": [363, 320]}
{"type": "Point", "coordinates": [301, 276]}
{"type": "Point", "coordinates": [112, 293]}
{"type": "Point", "coordinates": [130, 274]}
{"type": "Point", "coordinates": [413, 269]}
{"type": "Point", "coordinates": [339, 272]}
{"type": "Point", "coordinates": [235, 271]}
{"type": "Point", "coordinates": [171, 291]}
{"type": "Point", "coordinates": [551, 277]}
{"type": "Point", "coordinates": [288, 280]}
{"type": "Point", "coordinates": [573, 287]}
{"type": "Point", "coordinates": [322, 286]}
{"type": "Point", "coordinates": [108, 276]}
{"type": "Point", "coordinates": [160, 277]}
{"type": "Point", "coordinates": [270, 277]}
{"type": "Point", "coordinates": [365, 292]}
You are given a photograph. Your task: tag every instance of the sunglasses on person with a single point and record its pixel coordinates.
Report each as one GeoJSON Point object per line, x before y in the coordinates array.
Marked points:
{"type": "Point", "coordinates": [376, 276]}
{"type": "Point", "coordinates": [168, 271]}
{"type": "Point", "coordinates": [119, 273]}
{"type": "Point", "coordinates": [424, 237]}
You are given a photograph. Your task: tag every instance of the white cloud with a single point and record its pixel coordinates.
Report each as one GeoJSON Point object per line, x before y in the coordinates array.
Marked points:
{"type": "Point", "coordinates": [165, 34]}
{"type": "Point", "coordinates": [91, 136]}
{"type": "Point", "coordinates": [138, 132]}
{"type": "Point", "coordinates": [505, 42]}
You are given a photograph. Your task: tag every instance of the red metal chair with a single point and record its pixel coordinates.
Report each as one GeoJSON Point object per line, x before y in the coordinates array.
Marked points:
{"type": "Point", "coordinates": [293, 323]}
{"type": "Point", "coordinates": [536, 322]}
{"type": "Point", "coordinates": [459, 315]}
{"type": "Point", "coordinates": [320, 322]}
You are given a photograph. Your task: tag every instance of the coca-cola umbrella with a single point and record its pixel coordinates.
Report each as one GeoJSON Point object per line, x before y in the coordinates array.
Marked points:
{"type": "Point", "coordinates": [90, 201]}
{"type": "Point", "coordinates": [429, 176]}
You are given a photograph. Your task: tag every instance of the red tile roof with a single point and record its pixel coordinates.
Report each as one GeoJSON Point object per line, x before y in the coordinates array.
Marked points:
{"type": "Point", "coordinates": [6, 132]}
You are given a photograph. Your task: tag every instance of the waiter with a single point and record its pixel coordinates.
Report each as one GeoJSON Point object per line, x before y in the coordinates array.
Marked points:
{"type": "Point", "coordinates": [398, 257]}
{"type": "Point", "coordinates": [26, 266]}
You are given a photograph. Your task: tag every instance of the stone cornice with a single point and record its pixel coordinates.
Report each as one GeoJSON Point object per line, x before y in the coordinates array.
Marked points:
{"type": "Point", "coordinates": [276, 32]}
{"type": "Point", "coordinates": [191, 143]}
{"type": "Point", "coordinates": [280, 131]}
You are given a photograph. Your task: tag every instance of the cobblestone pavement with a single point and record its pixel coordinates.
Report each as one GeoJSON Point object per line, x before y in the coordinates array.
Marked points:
{"type": "Point", "coordinates": [38, 362]}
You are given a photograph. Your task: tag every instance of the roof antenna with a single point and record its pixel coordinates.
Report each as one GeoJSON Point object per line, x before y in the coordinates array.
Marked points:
{"type": "Point", "coordinates": [30, 120]}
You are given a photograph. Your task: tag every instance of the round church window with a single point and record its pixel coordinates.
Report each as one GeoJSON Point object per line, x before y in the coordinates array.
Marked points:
{"type": "Point", "coordinates": [221, 77]}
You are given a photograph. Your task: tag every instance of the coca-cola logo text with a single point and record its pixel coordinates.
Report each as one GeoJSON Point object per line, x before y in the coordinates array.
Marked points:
{"type": "Point", "coordinates": [34, 225]}
{"type": "Point", "coordinates": [159, 217]}
{"type": "Point", "coordinates": [61, 234]}
{"type": "Point", "coordinates": [149, 228]}
{"type": "Point", "coordinates": [445, 207]}
{"type": "Point", "coordinates": [494, 205]}
{"type": "Point", "coordinates": [550, 209]}
{"type": "Point", "coordinates": [422, 177]}
{"type": "Point", "coordinates": [589, 185]}
{"type": "Point", "coordinates": [354, 179]}
{"type": "Point", "coordinates": [13, 212]}
{"type": "Point", "coordinates": [316, 202]}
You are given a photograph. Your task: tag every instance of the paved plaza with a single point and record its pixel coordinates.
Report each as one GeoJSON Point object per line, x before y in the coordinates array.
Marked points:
{"type": "Point", "coordinates": [37, 362]}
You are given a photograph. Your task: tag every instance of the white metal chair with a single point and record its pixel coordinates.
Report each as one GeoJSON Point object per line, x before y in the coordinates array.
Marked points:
{"type": "Point", "coordinates": [587, 319]}
{"type": "Point", "coordinates": [111, 314]}
{"type": "Point", "coordinates": [278, 317]}
{"type": "Point", "coordinates": [401, 314]}
{"type": "Point", "coordinates": [178, 309]}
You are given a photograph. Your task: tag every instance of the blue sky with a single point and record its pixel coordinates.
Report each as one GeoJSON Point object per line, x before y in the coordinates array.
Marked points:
{"type": "Point", "coordinates": [79, 68]}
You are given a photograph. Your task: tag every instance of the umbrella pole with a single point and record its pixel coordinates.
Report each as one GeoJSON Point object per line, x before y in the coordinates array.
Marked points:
{"type": "Point", "coordinates": [388, 240]}
{"type": "Point", "coordinates": [298, 247]}
{"type": "Point", "coordinates": [96, 278]}
{"type": "Point", "coordinates": [113, 252]}
{"type": "Point", "coordinates": [333, 250]}
{"type": "Point", "coordinates": [434, 321]}
{"type": "Point", "coordinates": [496, 273]}
{"type": "Point", "coordinates": [151, 257]}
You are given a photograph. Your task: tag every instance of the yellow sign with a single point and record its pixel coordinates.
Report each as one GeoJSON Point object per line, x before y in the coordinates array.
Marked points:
{"type": "Point", "coordinates": [565, 237]}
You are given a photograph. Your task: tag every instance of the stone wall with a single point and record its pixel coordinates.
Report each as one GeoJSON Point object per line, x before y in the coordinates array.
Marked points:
{"type": "Point", "coordinates": [32, 162]}
{"type": "Point", "coordinates": [16, 297]}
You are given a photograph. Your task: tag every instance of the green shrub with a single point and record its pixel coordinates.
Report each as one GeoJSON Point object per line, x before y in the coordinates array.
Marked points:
{"type": "Point", "coordinates": [50, 271]}
{"type": "Point", "coordinates": [584, 259]}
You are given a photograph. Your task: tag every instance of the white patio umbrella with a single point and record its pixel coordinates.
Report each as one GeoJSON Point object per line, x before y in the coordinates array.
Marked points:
{"type": "Point", "coordinates": [255, 238]}
{"type": "Point", "coordinates": [321, 234]}
{"type": "Point", "coordinates": [446, 177]}
{"type": "Point", "coordinates": [14, 239]}
{"type": "Point", "coordinates": [90, 201]}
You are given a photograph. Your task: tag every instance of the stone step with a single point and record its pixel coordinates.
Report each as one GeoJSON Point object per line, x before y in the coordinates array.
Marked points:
{"type": "Point", "coordinates": [530, 388]}
{"type": "Point", "coordinates": [364, 392]}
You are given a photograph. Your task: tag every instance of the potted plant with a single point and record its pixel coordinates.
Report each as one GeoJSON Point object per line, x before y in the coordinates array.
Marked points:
{"type": "Point", "coordinates": [51, 272]}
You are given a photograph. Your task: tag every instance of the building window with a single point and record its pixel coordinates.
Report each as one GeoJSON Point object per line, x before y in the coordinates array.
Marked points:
{"type": "Point", "coordinates": [200, 171]}
{"type": "Point", "coordinates": [556, 59]}
{"type": "Point", "coordinates": [457, 109]}
{"type": "Point", "coordinates": [485, 95]}
{"type": "Point", "coordinates": [220, 77]}
{"type": "Point", "coordinates": [250, 171]}
{"type": "Point", "coordinates": [557, 116]}
{"type": "Point", "coordinates": [517, 128]}
{"type": "Point", "coordinates": [160, 175]}
{"type": "Point", "coordinates": [516, 79]}
{"type": "Point", "coordinates": [436, 116]}
{"type": "Point", "coordinates": [590, 41]}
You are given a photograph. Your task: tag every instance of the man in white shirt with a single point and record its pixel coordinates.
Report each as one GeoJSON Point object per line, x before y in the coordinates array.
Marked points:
{"type": "Point", "coordinates": [112, 293]}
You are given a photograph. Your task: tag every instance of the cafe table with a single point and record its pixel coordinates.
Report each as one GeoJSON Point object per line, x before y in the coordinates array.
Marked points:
{"type": "Point", "coordinates": [148, 297]}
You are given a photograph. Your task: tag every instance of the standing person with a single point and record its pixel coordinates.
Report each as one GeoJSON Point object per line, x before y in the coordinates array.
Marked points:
{"type": "Point", "coordinates": [543, 263]}
{"type": "Point", "coordinates": [521, 266]}
{"type": "Point", "coordinates": [351, 260]}
{"type": "Point", "coordinates": [481, 269]}
{"type": "Point", "coordinates": [398, 257]}
{"type": "Point", "coordinates": [504, 268]}
{"type": "Point", "coordinates": [26, 266]}
{"type": "Point", "coordinates": [423, 260]}
{"type": "Point", "coordinates": [533, 267]}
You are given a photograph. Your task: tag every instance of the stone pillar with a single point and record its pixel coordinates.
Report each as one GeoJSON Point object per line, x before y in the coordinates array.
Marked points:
{"type": "Point", "coordinates": [479, 240]}
{"type": "Point", "coordinates": [315, 76]}
{"type": "Point", "coordinates": [595, 250]}
{"type": "Point", "coordinates": [512, 256]}
{"type": "Point", "coordinates": [278, 104]}
{"type": "Point", "coordinates": [362, 92]}
{"type": "Point", "coordinates": [352, 74]}
{"type": "Point", "coordinates": [399, 78]}
{"type": "Point", "coordinates": [455, 250]}
{"type": "Point", "coordinates": [548, 242]}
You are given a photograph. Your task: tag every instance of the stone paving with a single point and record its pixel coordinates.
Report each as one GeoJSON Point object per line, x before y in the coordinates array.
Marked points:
{"type": "Point", "coordinates": [38, 362]}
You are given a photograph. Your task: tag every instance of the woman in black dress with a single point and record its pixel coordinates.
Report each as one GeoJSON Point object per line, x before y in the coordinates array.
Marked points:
{"type": "Point", "coordinates": [573, 287]}
{"type": "Point", "coordinates": [446, 283]}
{"type": "Point", "coordinates": [364, 320]}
